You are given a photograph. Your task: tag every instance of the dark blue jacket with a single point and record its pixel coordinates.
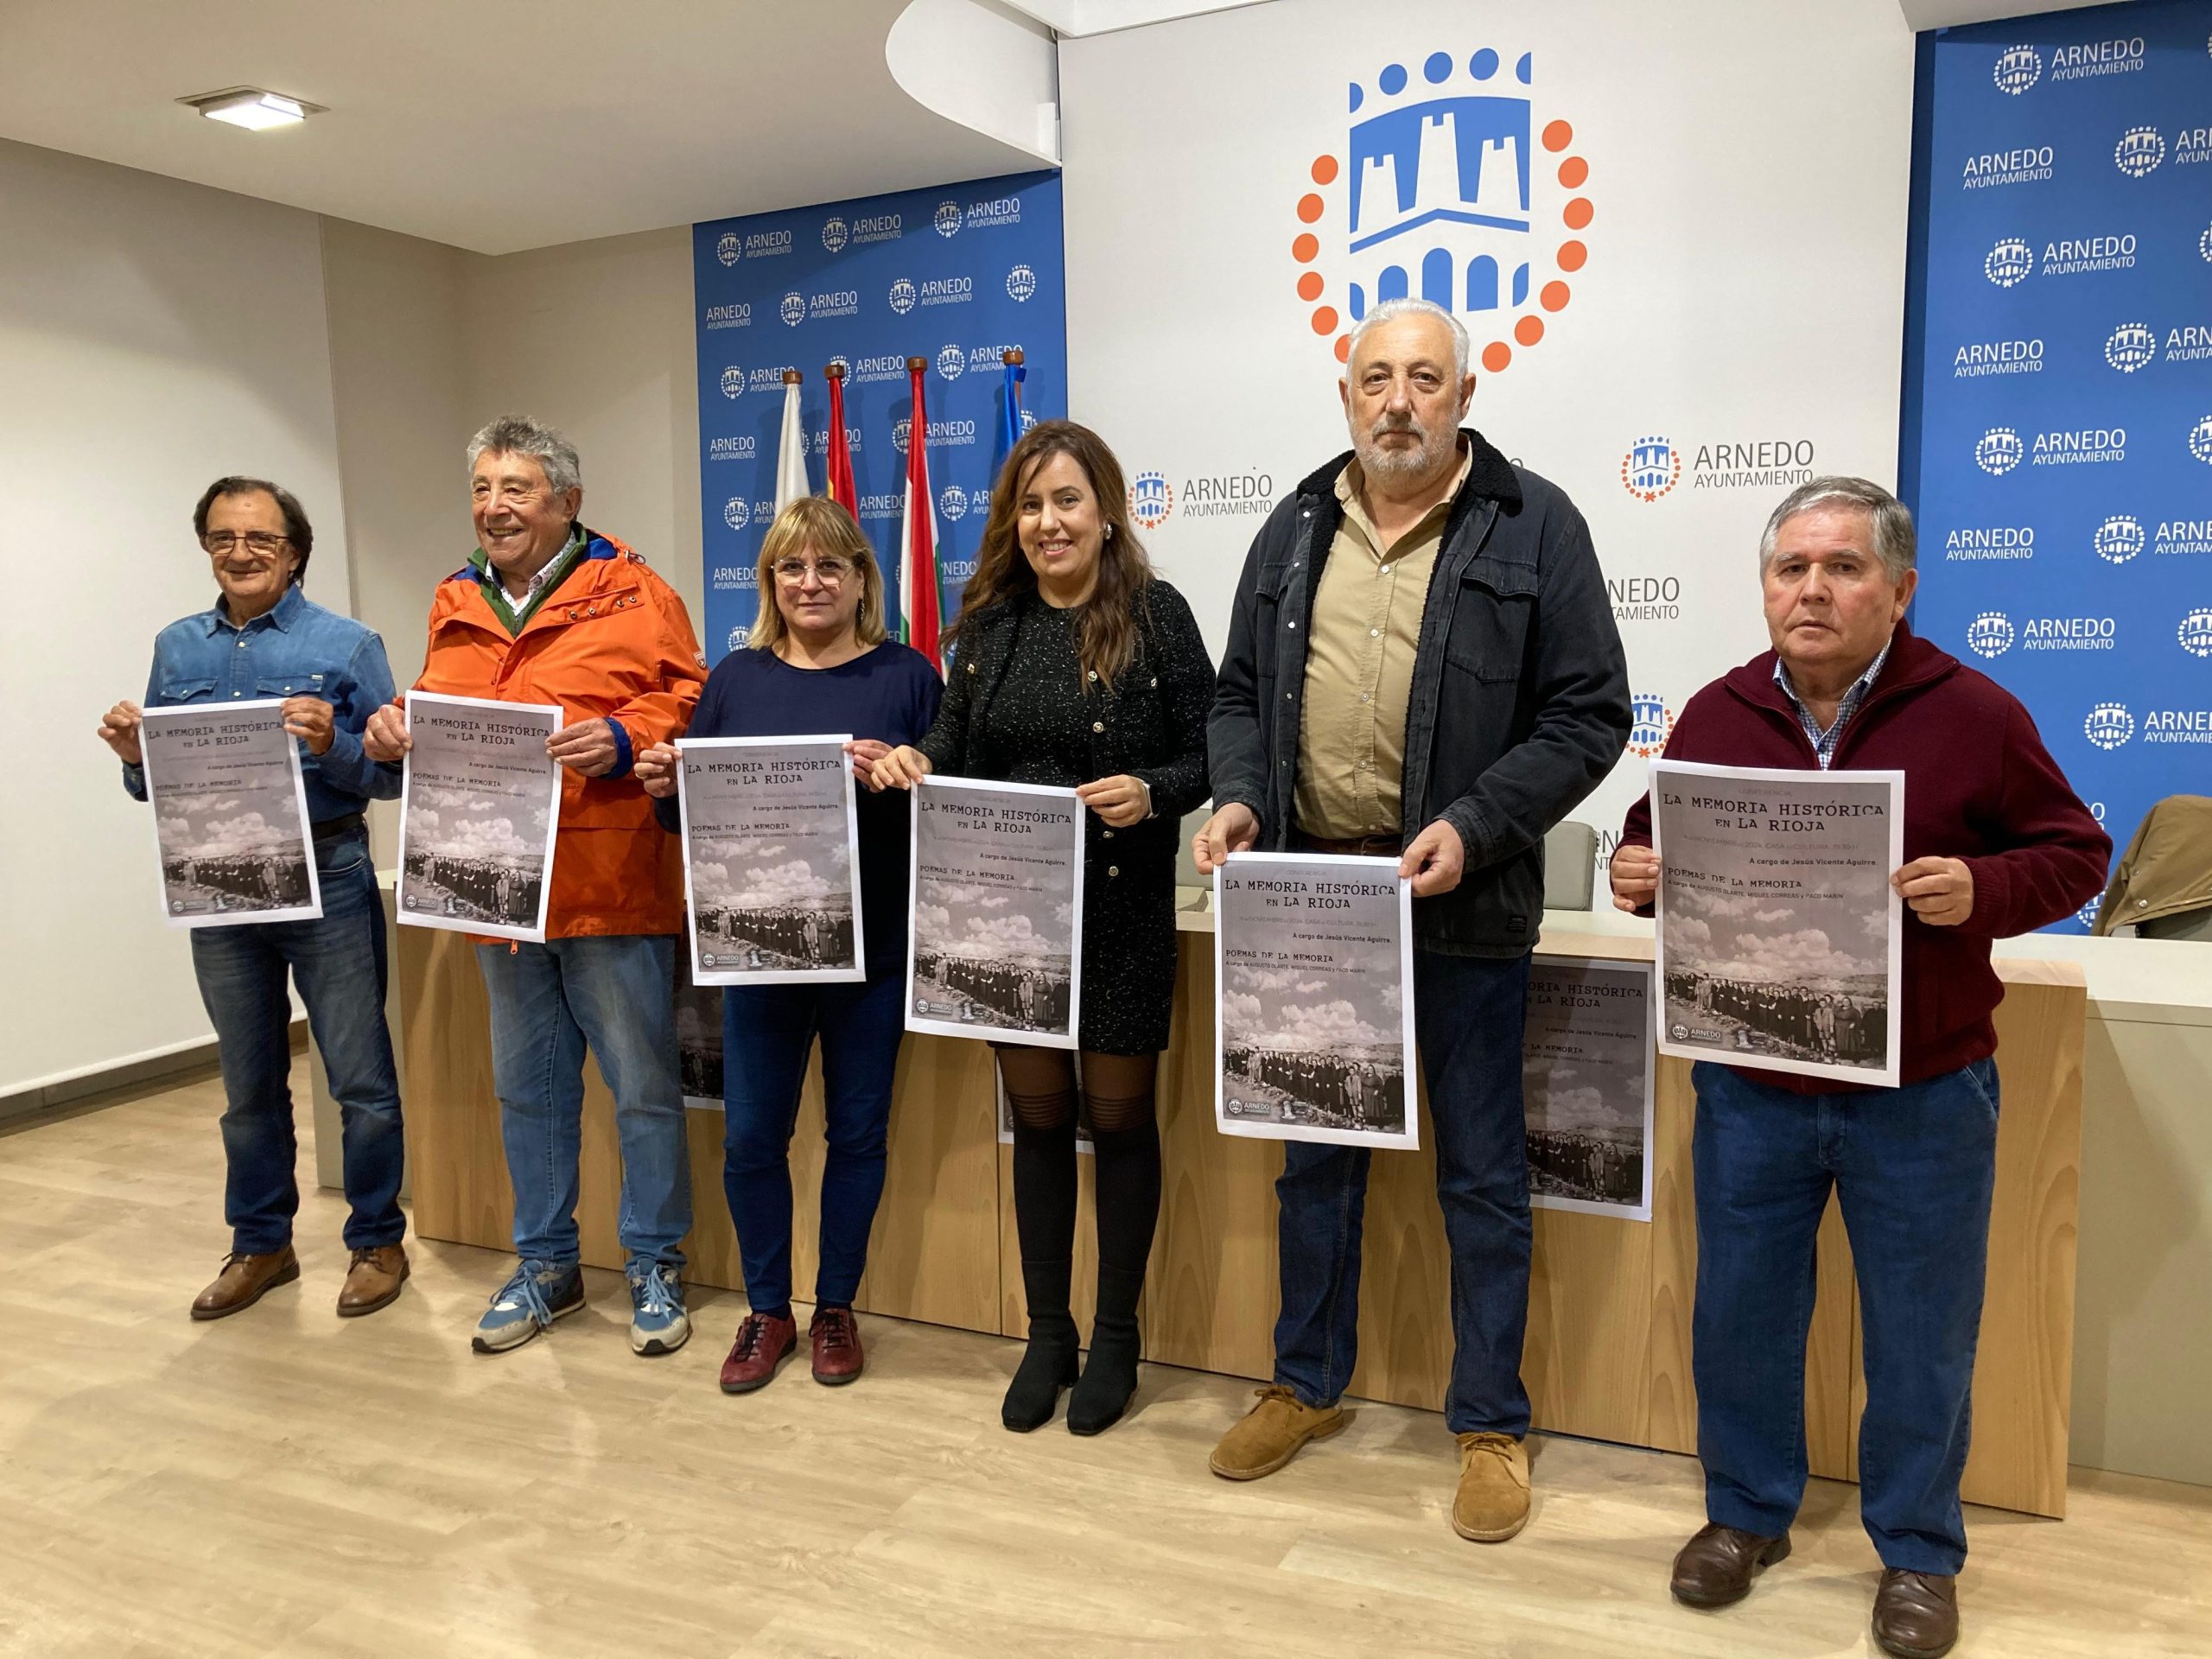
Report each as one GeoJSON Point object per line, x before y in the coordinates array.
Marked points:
{"type": "Point", "coordinates": [1520, 700]}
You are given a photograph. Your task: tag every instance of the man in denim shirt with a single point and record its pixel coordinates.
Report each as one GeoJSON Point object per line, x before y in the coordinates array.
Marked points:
{"type": "Point", "coordinates": [264, 639]}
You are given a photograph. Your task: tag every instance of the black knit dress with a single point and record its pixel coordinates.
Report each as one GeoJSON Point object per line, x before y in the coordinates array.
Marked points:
{"type": "Point", "coordinates": [1019, 708]}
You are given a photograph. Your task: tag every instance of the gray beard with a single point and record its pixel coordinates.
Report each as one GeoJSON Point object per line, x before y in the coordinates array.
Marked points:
{"type": "Point", "coordinates": [1396, 464]}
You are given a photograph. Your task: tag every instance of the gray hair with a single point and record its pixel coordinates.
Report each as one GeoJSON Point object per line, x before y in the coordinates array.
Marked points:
{"type": "Point", "coordinates": [1390, 309]}
{"type": "Point", "coordinates": [518, 435]}
{"type": "Point", "coordinates": [1894, 543]}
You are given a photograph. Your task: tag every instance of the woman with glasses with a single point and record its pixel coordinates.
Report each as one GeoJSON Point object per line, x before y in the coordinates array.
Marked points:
{"type": "Point", "coordinates": [1077, 667]}
{"type": "Point", "coordinates": [818, 662]}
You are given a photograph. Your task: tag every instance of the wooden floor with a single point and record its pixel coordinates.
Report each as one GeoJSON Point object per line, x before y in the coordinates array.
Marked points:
{"type": "Point", "coordinates": [285, 1482]}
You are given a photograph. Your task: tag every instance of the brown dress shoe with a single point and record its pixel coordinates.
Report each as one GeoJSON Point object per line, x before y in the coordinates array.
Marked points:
{"type": "Point", "coordinates": [1716, 1568]}
{"type": "Point", "coordinates": [1916, 1614]}
{"type": "Point", "coordinates": [834, 1337]}
{"type": "Point", "coordinates": [1271, 1433]}
{"type": "Point", "coordinates": [762, 1346]}
{"type": "Point", "coordinates": [373, 1281]}
{"type": "Point", "coordinates": [243, 1280]}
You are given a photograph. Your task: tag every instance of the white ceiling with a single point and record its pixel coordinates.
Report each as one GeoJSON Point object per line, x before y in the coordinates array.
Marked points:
{"type": "Point", "coordinates": [494, 125]}
{"type": "Point", "coordinates": [1949, 13]}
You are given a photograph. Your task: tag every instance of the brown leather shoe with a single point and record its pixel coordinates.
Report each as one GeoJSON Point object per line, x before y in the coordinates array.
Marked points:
{"type": "Point", "coordinates": [834, 1337]}
{"type": "Point", "coordinates": [762, 1344]}
{"type": "Point", "coordinates": [373, 1281]}
{"type": "Point", "coordinates": [1271, 1433]}
{"type": "Point", "coordinates": [1916, 1614]}
{"type": "Point", "coordinates": [1716, 1568]}
{"type": "Point", "coordinates": [243, 1280]}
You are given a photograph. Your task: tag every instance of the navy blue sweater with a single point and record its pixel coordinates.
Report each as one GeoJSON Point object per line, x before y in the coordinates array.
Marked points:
{"type": "Point", "coordinates": [891, 694]}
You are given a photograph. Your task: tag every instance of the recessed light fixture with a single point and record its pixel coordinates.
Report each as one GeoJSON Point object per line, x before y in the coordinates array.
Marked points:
{"type": "Point", "coordinates": [251, 107]}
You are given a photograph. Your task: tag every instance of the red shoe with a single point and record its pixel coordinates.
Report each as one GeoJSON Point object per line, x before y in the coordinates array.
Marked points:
{"type": "Point", "coordinates": [835, 1335]}
{"type": "Point", "coordinates": [762, 1346]}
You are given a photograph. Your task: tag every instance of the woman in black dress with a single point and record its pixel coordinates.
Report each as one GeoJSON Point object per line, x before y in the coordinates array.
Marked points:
{"type": "Point", "coordinates": [1075, 666]}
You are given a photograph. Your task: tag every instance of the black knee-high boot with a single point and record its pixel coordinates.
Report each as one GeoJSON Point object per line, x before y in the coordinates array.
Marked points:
{"type": "Point", "coordinates": [1044, 1204]}
{"type": "Point", "coordinates": [1128, 1210]}
{"type": "Point", "coordinates": [1109, 1371]}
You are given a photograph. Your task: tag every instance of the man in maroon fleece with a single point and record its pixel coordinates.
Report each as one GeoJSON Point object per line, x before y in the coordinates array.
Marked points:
{"type": "Point", "coordinates": [1996, 843]}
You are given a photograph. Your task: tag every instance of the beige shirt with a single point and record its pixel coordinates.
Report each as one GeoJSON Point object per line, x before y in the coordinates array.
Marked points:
{"type": "Point", "coordinates": [1359, 667]}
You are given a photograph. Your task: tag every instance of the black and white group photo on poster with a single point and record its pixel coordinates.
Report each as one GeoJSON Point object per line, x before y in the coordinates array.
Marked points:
{"type": "Point", "coordinates": [996, 945]}
{"type": "Point", "coordinates": [770, 859]}
{"type": "Point", "coordinates": [698, 1040]}
{"type": "Point", "coordinates": [1779, 938]}
{"type": "Point", "coordinates": [1585, 1086]}
{"type": "Point", "coordinates": [230, 814]}
{"type": "Point", "coordinates": [1313, 957]}
{"type": "Point", "coordinates": [477, 815]}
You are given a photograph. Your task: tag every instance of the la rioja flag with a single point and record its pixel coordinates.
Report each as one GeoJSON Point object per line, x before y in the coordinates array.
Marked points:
{"type": "Point", "coordinates": [917, 592]}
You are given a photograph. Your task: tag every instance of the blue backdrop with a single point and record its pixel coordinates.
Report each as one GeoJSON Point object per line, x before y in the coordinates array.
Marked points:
{"type": "Point", "coordinates": [2057, 436]}
{"type": "Point", "coordinates": [954, 274]}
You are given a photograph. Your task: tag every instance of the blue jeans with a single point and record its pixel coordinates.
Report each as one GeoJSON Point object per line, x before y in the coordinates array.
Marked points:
{"type": "Point", "coordinates": [617, 993]}
{"type": "Point", "coordinates": [767, 1032]}
{"type": "Point", "coordinates": [339, 964]}
{"type": "Point", "coordinates": [1468, 1018]}
{"type": "Point", "coordinates": [1913, 1169]}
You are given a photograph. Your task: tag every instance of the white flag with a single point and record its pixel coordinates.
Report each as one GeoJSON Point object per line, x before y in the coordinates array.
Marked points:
{"type": "Point", "coordinates": [791, 453]}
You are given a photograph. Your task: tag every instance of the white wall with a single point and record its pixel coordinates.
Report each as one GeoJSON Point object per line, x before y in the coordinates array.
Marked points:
{"type": "Point", "coordinates": [1744, 281]}
{"type": "Point", "coordinates": [597, 337]}
{"type": "Point", "coordinates": [153, 335]}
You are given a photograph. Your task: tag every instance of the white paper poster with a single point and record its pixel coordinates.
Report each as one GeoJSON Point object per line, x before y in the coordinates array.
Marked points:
{"type": "Point", "coordinates": [1313, 966]}
{"type": "Point", "coordinates": [1585, 1086]}
{"type": "Point", "coordinates": [995, 949]}
{"type": "Point", "coordinates": [771, 862]}
{"type": "Point", "coordinates": [478, 814]}
{"type": "Point", "coordinates": [229, 814]}
{"type": "Point", "coordinates": [1780, 942]}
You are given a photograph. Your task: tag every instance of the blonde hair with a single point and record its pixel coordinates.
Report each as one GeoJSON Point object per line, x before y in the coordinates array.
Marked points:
{"type": "Point", "coordinates": [816, 522]}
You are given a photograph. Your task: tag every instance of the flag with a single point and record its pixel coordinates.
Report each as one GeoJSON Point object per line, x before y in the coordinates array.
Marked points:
{"type": "Point", "coordinates": [917, 592]}
{"type": "Point", "coordinates": [791, 453]}
{"type": "Point", "coordinates": [1010, 427]}
{"type": "Point", "coordinates": [838, 484]}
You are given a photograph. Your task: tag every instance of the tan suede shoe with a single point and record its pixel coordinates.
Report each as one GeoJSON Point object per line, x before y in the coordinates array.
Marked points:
{"type": "Point", "coordinates": [1492, 1502]}
{"type": "Point", "coordinates": [373, 1281]}
{"type": "Point", "coordinates": [243, 1280]}
{"type": "Point", "coordinates": [1271, 1433]}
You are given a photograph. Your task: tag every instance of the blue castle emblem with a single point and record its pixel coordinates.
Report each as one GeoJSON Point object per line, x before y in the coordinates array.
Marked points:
{"type": "Point", "coordinates": [735, 514]}
{"type": "Point", "coordinates": [2018, 67]}
{"type": "Point", "coordinates": [2011, 263]}
{"type": "Point", "coordinates": [2139, 151]}
{"type": "Point", "coordinates": [2109, 724]}
{"type": "Point", "coordinates": [1990, 634]}
{"type": "Point", "coordinates": [951, 362]}
{"type": "Point", "coordinates": [1152, 497]}
{"type": "Point", "coordinates": [2130, 347]}
{"type": "Point", "coordinates": [2200, 439]}
{"type": "Point", "coordinates": [2118, 539]}
{"type": "Point", "coordinates": [1649, 723]}
{"type": "Point", "coordinates": [2195, 634]}
{"type": "Point", "coordinates": [1440, 194]}
{"type": "Point", "coordinates": [1998, 450]}
{"type": "Point", "coordinates": [1651, 468]}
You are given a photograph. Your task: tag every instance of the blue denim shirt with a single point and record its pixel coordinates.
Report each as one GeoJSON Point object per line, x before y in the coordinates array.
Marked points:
{"type": "Point", "coordinates": [296, 649]}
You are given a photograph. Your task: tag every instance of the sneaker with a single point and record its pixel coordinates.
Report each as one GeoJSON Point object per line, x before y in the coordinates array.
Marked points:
{"type": "Point", "coordinates": [539, 1293]}
{"type": "Point", "coordinates": [659, 1324]}
{"type": "Point", "coordinates": [834, 1337]}
{"type": "Point", "coordinates": [762, 1346]}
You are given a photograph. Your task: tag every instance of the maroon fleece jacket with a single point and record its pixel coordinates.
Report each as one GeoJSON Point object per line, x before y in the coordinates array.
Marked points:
{"type": "Point", "coordinates": [1978, 786]}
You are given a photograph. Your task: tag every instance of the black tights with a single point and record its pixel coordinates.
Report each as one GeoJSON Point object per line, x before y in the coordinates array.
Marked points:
{"type": "Point", "coordinates": [1117, 1102]}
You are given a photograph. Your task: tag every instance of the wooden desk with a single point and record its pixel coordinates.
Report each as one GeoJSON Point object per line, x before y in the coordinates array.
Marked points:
{"type": "Point", "coordinates": [1608, 1353]}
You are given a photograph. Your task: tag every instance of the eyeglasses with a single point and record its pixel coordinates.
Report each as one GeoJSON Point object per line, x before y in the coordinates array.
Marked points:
{"type": "Point", "coordinates": [830, 572]}
{"type": "Point", "coordinates": [219, 542]}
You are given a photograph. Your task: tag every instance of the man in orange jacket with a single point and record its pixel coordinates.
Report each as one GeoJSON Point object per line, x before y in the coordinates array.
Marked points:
{"type": "Point", "coordinates": [547, 611]}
